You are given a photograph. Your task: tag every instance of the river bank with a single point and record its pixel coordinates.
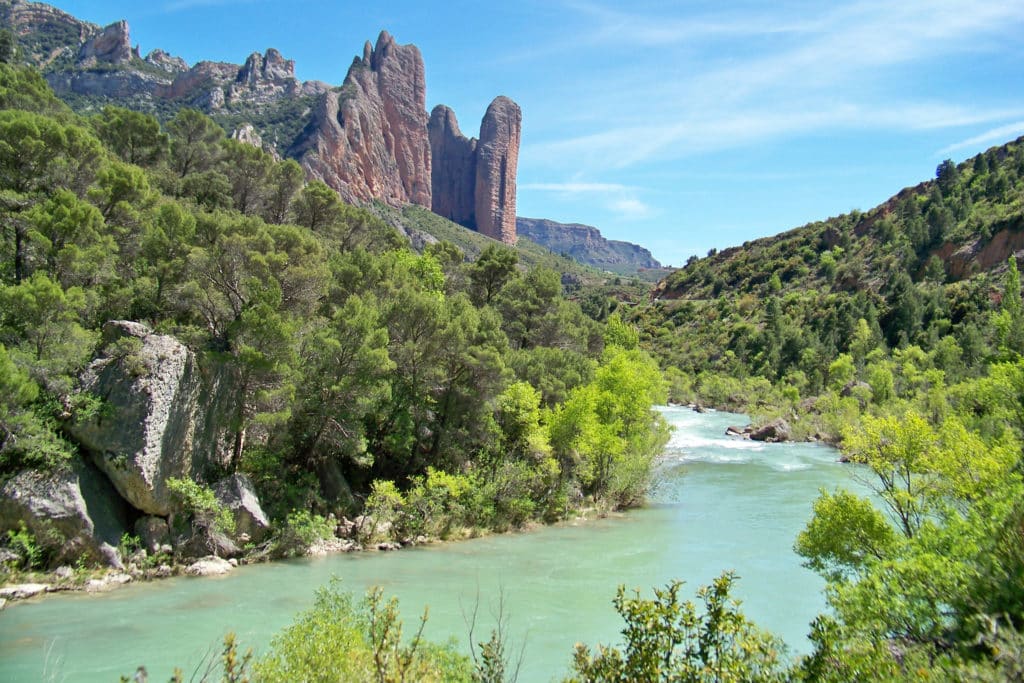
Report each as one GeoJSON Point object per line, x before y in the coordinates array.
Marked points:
{"type": "Point", "coordinates": [719, 503]}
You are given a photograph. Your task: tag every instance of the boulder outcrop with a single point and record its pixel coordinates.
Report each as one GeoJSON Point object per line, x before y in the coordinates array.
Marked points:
{"type": "Point", "coordinates": [162, 417]}
{"type": "Point", "coordinates": [369, 141]}
{"type": "Point", "coordinates": [238, 495]}
{"type": "Point", "coordinates": [209, 566]}
{"type": "Point", "coordinates": [776, 431]}
{"type": "Point", "coordinates": [497, 157]}
{"type": "Point", "coordinates": [71, 514]}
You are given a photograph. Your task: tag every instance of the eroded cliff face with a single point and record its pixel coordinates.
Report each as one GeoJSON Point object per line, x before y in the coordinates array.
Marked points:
{"type": "Point", "coordinates": [474, 181]}
{"type": "Point", "coordinates": [585, 244]}
{"type": "Point", "coordinates": [370, 140]}
{"type": "Point", "coordinates": [453, 168]}
{"type": "Point", "coordinates": [81, 58]}
{"type": "Point", "coordinates": [497, 157]}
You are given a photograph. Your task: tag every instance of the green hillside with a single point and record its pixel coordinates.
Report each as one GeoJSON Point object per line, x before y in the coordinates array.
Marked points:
{"type": "Point", "coordinates": [922, 270]}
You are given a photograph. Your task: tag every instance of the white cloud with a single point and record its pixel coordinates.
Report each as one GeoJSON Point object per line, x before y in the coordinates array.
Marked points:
{"type": "Point", "coordinates": [791, 72]}
{"type": "Point", "coordinates": [996, 135]}
{"type": "Point", "coordinates": [620, 200]}
{"type": "Point", "coordinates": [630, 208]}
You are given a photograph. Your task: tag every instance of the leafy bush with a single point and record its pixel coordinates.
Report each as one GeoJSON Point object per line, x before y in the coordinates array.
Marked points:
{"type": "Point", "coordinates": [338, 640]}
{"type": "Point", "coordinates": [669, 640]}
{"type": "Point", "coordinates": [23, 544]}
{"type": "Point", "coordinates": [301, 530]}
{"type": "Point", "coordinates": [200, 503]}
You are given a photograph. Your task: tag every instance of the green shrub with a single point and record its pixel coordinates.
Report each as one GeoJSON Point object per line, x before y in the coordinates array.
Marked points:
{"type": "Point", "coordinates": [24, 545]}
{"type": "Point", "coordinates": [299, 532]}
{"type": "Point", "coordinates": [201, 504]}
{"type": "Point", "coordinates": [336, 640]}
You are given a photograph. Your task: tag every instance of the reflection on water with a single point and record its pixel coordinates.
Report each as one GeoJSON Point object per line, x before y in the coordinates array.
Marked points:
{"type": "Point", "coordinates": [719, 503]}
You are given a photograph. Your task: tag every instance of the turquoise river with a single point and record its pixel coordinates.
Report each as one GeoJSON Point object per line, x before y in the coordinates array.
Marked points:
{"type": "Point", "coordinates": [719, 503]}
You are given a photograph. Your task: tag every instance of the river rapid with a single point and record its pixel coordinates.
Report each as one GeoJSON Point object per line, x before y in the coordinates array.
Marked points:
{"type": "Point", "coordinates": [719, 503]}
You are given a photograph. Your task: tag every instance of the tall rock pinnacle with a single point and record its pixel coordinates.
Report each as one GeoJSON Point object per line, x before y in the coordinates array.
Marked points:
{"type": "Point", "coordinates": [370, 140]}
{"type": "Point", "coordinates": [474, 182]}
{"type": "Point", "coordinates": [374, 141]}
{"type": "Point", "coordinates": [497, 156]}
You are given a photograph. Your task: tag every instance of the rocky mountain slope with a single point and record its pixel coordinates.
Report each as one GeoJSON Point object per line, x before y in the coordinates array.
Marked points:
{"type": "Point", "coordinates": [584, 243]}
{"type": "Point", "coordinates": [369, 139]}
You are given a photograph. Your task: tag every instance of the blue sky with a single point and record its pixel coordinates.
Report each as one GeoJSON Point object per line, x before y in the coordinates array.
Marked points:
{"type": "Point", "coordinates": [681, 126]}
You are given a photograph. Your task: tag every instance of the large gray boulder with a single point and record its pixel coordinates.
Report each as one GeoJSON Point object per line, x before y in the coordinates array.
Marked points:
{"type": "Point", "coordinates": [73, 513]}
{"type": "Point", "coordinates": [238, 495]}
{"type": "Point", "coordinates": [776, 431]}
{"type": "Point", "coordinates": [162, 416]}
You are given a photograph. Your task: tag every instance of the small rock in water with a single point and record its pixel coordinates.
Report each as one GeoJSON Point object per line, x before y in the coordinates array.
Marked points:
{"type": "Point", "coordinates": [209, 566]}
{"type": "Point", "coordinates": [389, 545]}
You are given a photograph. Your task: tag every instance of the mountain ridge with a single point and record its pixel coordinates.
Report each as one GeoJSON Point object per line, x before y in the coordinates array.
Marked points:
{"type": "Point", "coordinates": [367, 139]}
{"type": "Point", "coordinates": [586, 244]}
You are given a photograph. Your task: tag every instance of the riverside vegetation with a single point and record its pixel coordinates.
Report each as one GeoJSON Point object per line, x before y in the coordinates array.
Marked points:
{"type": "Point", "coordinates": [447, 396]}
{"type": "Point", "coordinates": [457, 395]}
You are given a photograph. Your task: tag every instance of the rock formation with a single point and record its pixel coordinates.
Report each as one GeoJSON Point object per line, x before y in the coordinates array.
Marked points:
{"type": "Point", "coordinates": [497, 156]}
{"type": "Point", "coordinates": [161, 417]}
{"type": "Point", "coordinates": [111, 46]}
{"type": "Point", "coordinates": [474, 181]}
{"type": "Point", "coordinates": [586, 244]}
{"type": "Point", "coordinates": [453, 168]}
{"type": "Point", "coordinates": [237, 494]}
{"type": "Point", "coordinates": [71, 513]}
{"type": "Point", "coordinates": [166, 62]}
{"type": "Point", "coordinates": [369, 141]}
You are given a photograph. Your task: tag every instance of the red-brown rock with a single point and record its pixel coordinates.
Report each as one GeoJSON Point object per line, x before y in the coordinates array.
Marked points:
{"type": "Point", "coordinates": [370, 140]}
{"type": "Point", "coordinates": [453, 168]}
{"type": "Point", "coordinates": [497, 157]}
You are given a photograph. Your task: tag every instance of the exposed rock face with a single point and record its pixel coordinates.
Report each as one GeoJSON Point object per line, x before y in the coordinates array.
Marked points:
{"type": "Point", "coordinates": [73, 66]}
{"type": "Point", "coordinates": [73, 513]}
{"type": "Point", "coordinates": [982, 255]}
{"type": "Point", "coordinates": [585, 244]}
{"type": "Point", "coordinates": [153, 532]}
{"type": "Point", "coordinates": [370, 140]}
{"type": "Point", "coordinates": [497, 157]}
{"type": "Point", "coordinates": [203, 84]}
{"type": "Point", "coordinates": [453, 168]}
{"type": "Point", "coordinates": [161, 418]}
{"type": "Point", "coordinates": [238, 495]}
{"type": "Point", "coordinates": [264, 78]}
{"type": "Point", "coordinates": [474, 181]}
{"type": "Point", "coordinates": [248, 134]}
{"type": "Point", "coordinates": [111, 46]}
{"type": "Point", "coordinates": [166, 62]}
